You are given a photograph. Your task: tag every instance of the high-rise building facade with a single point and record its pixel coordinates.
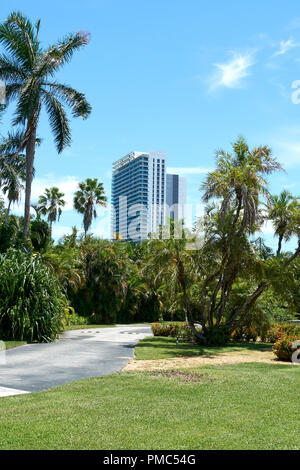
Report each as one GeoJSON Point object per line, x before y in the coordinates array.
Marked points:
{"type": "Point", "coordinates": [176, 196]}
{"type": "Point", "coordinates": [138, 194]}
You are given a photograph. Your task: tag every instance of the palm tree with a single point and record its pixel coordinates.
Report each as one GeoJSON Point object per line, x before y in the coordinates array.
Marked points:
{"type": "Point", "coordinates": [90, 194]}
{"type": "Point", "coordinates": [235, 188]}
{"type": "Point", "coordinates": [12, 168]}
{"type": "Point", "coordinates": [239, 180]}
{"type": "Point", "coordinates": [11, 186]}
{"type": "Point", "coordinates": [51, 204]}
{"type": "Point", "coordinates": [28, 72]}
{"type": "Point", "coordinates": [281, 212]}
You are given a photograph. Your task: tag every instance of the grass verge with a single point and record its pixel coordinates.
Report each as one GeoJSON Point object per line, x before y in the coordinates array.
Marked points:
{"type": "Point", "coordinates": [244, 406]}
{"type": "Point", "coordinates": [159, 347]}
{"type": "Point", "coordinates": [13, 344]}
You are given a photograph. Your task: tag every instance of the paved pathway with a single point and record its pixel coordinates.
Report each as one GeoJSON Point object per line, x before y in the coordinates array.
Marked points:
{"type": "Point", "coordinates": [80, 354]}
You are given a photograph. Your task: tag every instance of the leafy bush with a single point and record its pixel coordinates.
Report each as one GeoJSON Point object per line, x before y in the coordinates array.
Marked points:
{"type": "Point", "coordinates": [31, 302]}
{"type": "Point", "coordinates": [217, 336]}
{"type": "Point", "coordinates": [283, 347]}
{"type": "Point", "coordinates": [173, 329]}
{"type": "Point", "coordinates": [102, 291]}
{"type": "Point", "coordinates": [72, 318]}
{"type": "Point", "coordinates": [277, 330]}
{"type": "Point", "coordinates": [40, 234]}
{"type": "Point", "coordinates": [167, 329]}
{"type": "Point", "coordinates": [8, 234]}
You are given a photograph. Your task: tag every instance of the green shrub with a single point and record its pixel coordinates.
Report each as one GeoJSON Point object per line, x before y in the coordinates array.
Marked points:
{"type": "Point", "coordinates": [217, 336]}
{"type": "Point", "coordinates": [245, 333]}
{"type": "Point", "coordinates": [31, 302]}
{"type": "Point", "coordinates": [8, 234]}
{"type": "Point", "coordinates": [283, 347]}
{"type": "Point", "coordinates": [72, 318]}
{"type": "Point", "coordinates": [168, 329]}
{"type": "Point", "coordinates": [173, 329]}
{"type": "Point", "coordinates": [277, 330]}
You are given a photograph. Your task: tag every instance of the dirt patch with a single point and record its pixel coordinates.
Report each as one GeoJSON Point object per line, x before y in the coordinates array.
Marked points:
{"type": "Point", "coordinates": [207, 359]}
{"type": "Point", "coordinates": [180, 375]}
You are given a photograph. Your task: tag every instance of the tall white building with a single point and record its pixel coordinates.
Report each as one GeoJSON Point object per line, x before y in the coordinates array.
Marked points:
{"type": "Point", "coordinates": [143, 195]}
{"type": "Point", "coordinates": [138, 194]}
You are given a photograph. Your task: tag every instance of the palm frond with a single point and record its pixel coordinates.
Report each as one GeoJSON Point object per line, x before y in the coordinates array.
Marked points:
{"type": "Point", "coordinates": [58, 119]}
{"type": "Point", "coordinates": [76, 100]}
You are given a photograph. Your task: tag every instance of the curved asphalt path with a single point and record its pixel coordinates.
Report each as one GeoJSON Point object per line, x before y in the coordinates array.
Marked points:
{"type": "Point", "coordinates": [79, 354]}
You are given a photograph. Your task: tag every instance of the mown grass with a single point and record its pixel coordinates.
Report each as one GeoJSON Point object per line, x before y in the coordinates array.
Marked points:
{"type": "Point", "coordinates": [12, 344]}
{"type": "Point", "coordinates": [241, 406]}
{"type": "Point", "coordinates": [159, 347]}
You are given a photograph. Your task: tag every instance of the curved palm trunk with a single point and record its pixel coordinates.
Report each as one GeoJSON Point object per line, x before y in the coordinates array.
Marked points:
{"type": "Point", "coordinates": [279, 245]}
{"type": "Point", "coordinates": [30, 153]}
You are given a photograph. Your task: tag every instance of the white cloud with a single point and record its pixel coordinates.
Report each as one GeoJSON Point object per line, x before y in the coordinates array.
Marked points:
{"type": "Point", "coordinates": [187, 170]}
{"type": "Point", "coordinates": [59, 231]}
{"type": "Point", "coordinates": [101, 227]}
{"type": "Point", "coordinates": [230, 74]}
{"type": "Point", "coordinates": [66, 185]}
{"type": "Point", "coordinates": [294, 24]}
{"type": "Point", "coordinates": [288, 153]}
{"type": "Point", "coordinates": [286, 46]}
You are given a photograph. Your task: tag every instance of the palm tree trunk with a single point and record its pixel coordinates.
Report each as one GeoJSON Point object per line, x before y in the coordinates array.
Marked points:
{"type": "Point", "coordinates": [8, 209]}
{"type": "Point", "coordinates": [30, 153]}
{"type": "Point", "coordinates": [279, 245]}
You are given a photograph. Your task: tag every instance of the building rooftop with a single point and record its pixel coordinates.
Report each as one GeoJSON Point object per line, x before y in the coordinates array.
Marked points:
{"type": "Point", "coordinates": [128, 158]}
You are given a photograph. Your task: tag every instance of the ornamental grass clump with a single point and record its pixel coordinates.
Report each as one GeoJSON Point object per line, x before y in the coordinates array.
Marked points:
{"type": "Point", "coordinates": [32, 305]}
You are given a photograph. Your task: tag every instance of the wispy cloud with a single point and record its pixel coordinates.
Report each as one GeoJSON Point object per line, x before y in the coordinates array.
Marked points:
{"type": "Point", "coordinates": [230, 74]}
{"type": "Point", "coordinates": [286, 46]}
{"type": "Point", "coordinates": [288, 153]}
{"type": "Point", "coordinates": [294, 24]}
{"type": "Point", "coordinates": [66, 185]}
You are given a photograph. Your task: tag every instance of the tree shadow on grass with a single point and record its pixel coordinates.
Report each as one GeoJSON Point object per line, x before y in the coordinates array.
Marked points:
{"type": "Point", "coordinates": [168, 347]}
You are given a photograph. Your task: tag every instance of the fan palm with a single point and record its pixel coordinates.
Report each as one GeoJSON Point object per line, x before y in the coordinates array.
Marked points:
{"type": "Point", "coordinates": [28, 72]}
{"type": "Point", "coordinates": [51, 204]}
{"type": "Point", "coordinates": [89, 195]}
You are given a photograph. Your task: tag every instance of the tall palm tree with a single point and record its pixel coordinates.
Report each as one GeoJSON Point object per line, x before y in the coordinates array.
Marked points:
{"type": "Point", "coordinates": [89, 195]}
{"type": "Point", "coordinates": [239, 180]}
{"type": "Point", "coordinates": [281, 210]}
{"type": "Point", "coordinates": [51, 204]}
{"type": "Point", "coordinates": [12, 168]}
{"type": "Point", "coordinates": [28, 72]}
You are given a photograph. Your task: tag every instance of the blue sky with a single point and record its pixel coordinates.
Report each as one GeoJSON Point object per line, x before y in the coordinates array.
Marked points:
{"type": "Point", "coordinates": [186, 77]}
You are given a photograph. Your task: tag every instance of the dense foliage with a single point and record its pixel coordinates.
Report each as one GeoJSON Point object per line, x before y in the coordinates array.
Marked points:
{"type": "Point", "coordinates": [31, 303]}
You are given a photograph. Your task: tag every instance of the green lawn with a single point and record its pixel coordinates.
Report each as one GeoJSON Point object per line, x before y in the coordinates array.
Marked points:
{"type": "Point", "coordinates": [241, 406]}
{"type": "Point", "coordinates": [13, 344]}
{"type": "Point", "coordinates": [159, 347]}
